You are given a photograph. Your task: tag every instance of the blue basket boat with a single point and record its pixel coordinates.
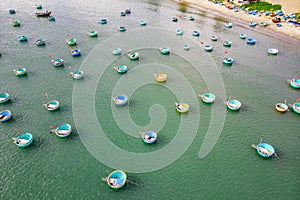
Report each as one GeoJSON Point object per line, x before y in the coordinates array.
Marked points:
{"type": "Point", "coordinates": [38, 7]}
{"type": "Point", "coordinates": [149, 137]}
{"type": "Point", "coordinates": [294, 83]}
{"type": "Point", "coordinates": [120, 100]}
{"type": "Point", "coordinates": [252, 24]}
{"type": "Point", "coordinates": [207, 97]}
{"type": "Point", "coordinates": [22, 38]}
{"type": "Point", "coordinates": [143, 23]}
{"type": "Point", "coordinates": [164, 50]}
{"type": "Point", "coordinates": [116, 179]}
{"type": "Point", "coordinates": [93, 33]}
{"type": "Point", "coordinates": [52, 105]}
{"type": "Point", "coordinates": [23, 140]}
{"type": "Point", "coordinates": [243, 36]}
{"type": "Point", "coordinates": [57, 62]}
{"type": "Point", "coordinates": [77, 74]}
{"type": "Point", "coordinates": [4, 97]}
{"type": "Point", "coordinates": [20, 71]}
{"type": "Point", "coordinates": [64, 130]}
{"type": "Point", "coordinates": [296, 107]}
{"type": "Point", "coordinates": [264, 149]}
{"type": "Point", "coordinates": [128, 11]}
{"type": "Point", "coordinates": [116, 51]}
{"type": "Point", "coordinates": [233, 104]}
{"type": "Point", "coordinates": [121, 69]}
{"type": "Point", "coordinates": [281, 107]}
{"type": "Point", "coordinates": [51, 18]}
{"type": "Point", "coordinates": [208, 48]}
{"type": "Point", "coordinates": [273, 51]}
{"type": "Point", "coordinates": [179, 32]}
{"type": "Point", "coordinates": [75, 52]}
{"type": "Point", "coordinates": [134, 55]}
{"type": "Point", "coordinates": [103, 21]}
{"type": "Point", "coordinates": [196, 33]}
{"type": "Point", "coordinates": [227, 43]}
{"type": "Point", "coordinates": [251, 41]}
{"type": "Point", "coordinates": [228, 61]}
{"type": "Point", "coordinates": [5, 115]}
{"type": "Point", "coordinates": [40, 42]}
{"type": "Point", "coordinates": [122, 29]}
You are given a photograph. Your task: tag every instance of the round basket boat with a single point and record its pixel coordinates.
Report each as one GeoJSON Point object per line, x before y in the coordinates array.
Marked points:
{"type": "Point", "coordinates": [265, 150]}
{"type": "Point", "coordinates": [4, 97]}
{"type": "Point", "coordinates": [228, 61]}
{"type": "Point", "coordinates": [207, 97]}
{"type": "Point", "coordinates": [252, 24]}
{"type": "Point", "coordinates": [93, 34]}
{"type": "Point", "coordinates": [20, 71]}
{"type": "Point", "coordinates": [12, 11]}
{"type": "Point", "coordinates": [214, 38]}
{"type": "Point", "coordinates": [121, 69]}
{"type": "Point", "coordinates": [196, 33]}
{"type": "Point", "coordinates": [186, 46]}
{"type": "Point", "coordinates": [143, 23]}
{"type": "Point", "coordinates": [116, 179]}
{"type": "Point", "coordinates": [52, 105]}
{"type": "Point", "coordinates": [243, 36]}
{"type": "Point", "coordinates": [77, 74]}
{"type": "Point", "coordinates": [40, 42]}
{"type": "Point", "coordinates": [251, 41]}
{"type": "Point", "coordinates": [160, 77]}
{"type": "Point", "coordinates": [75, 52]}
{"type": "Point", "coordinates": [64, 130]}
{"type": "Point", "coordinates": [103, 21]}
{"type": "Point", "coordinates": [71, 42]}
{"type": "Point", "coordinates": [272, 51]}
{"type": "Point", "coordinates": [23, 140]}
{"type": "Point", "coordinates": [233, 104]}
{"type": "Point", "coordinates": [174, 19]}
{"type": "Point", "coordinates": [149, 137]}
{"type": "Point", "coordinates": [122, 29]}
{"type": "Point", "coordinates": [179, 32]}
{"type": "Point", "coordinates": [182, 107]}
{"type": "Point", "coordinates": [227, 43]}
{"type": "Point", "coordinates": [228, 25]}
{"type": "Point", "coordinates": [116, 51]}
{"type": "Point", "coordinates": [296, 107]}
{"type": "Point", "coordinates": [295, 83]}
{"type": "Point", "coordinates": [58, 62]}
{"type": "Point", "coordinates": [120, 100]}
{"type": "Point", "coordinates": [208, 48]}
{"type": "Point", "coordinates": [22, 38]}
{"type": "Point", "coordinates": [16, 23]}
{"type": "Point", "coordinates": [51, 18]}
{"type": "Point", "coordinates": [164, 50]}
{"type": "Point", "coordinates": [281, 107]}
{"type": "Point", "coordinates": [134, 55]}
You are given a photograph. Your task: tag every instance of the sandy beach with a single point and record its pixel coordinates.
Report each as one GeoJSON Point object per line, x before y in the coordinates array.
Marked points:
{"type": "Point", "coordinates": [288, 6]}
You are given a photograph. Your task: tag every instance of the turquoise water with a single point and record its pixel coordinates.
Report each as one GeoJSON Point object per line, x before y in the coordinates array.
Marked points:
{"type": "Point", "coordinates": [72, 168]}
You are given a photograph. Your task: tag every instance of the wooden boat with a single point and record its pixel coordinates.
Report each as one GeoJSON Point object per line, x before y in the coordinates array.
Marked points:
{"type": "Point", "coordinates": [64, 130]}
{"type": "Point", "coordinates": [121, 69]}
{"type": "Point", "coordinates": [294, 83]}
{"type": "Point", "coordinates": [208, 48]}
{"type": "Point", "coordinates": [251, 41]}
{"type": "Point", "coordinates": [296, 107]}
{"type": "Point", "coordinates": [77, 74]}
{"type": "Point", "coordinates": [186, 46]}
{"type": "Point", "coordinates": [75, 52]}
{"type": "Point", "coordinates": [16, 23]}
{"type": "Point", "coordinates": [57, 62]}
{"type": "Point", "coordinates": [122, 29]}
{"type": "Point", "coordinates": [71, 42]}
{"type": "Point", "coordinates": [103, 21]}
{"type": "Point", "coordinates": [51, 18]}
{"type": "Point", "coordinates": [116, 179]}
{"type": "Point", "coordinates": [12, 11]}
{"type": "Point", "coordinates": [272, 51]}
{"type": "Point", "coordinates": [174, 19]}
{"type": "Point", "coordinates": [252, 24]}
{"type": "Point", "coordinates": [214, 38]}
{"type": "Point", "coordinates": [120, 100]}
{"type": "Point", "coordinates": [23, 140]}
{"type": "Point", "coordinates": [20, 71]}
{"type": "Point", "coordinates": [207, 97]}
{"type": "Point", "coordinates": [4, 97]}
{"type": "Point", "coordinates": [182, 107]}
{"type": "Point", "coordinates": [164, 50]}
{"type": "Point", "coordinates": [233, 104]}
{"type": "Point", "coordinates": [133, 55]}
{"type": "Point", "coordinates": [282, 107]}
{"type": "Point", "coordinates": [196, 33]}
{"type": "Point", "coordinates": [276, 19]}
{"type": "Point", "coordinates": [22, 38]}
{"type": "Point", "coordinates": [52, 105]}
{"type": "Point", "coordinates": [149, 137]}
{"type": "Point", "coordinates": [228, 61]}
{"type": "Point", "coordinates": [93, 34]}
{"type": "Point", "coordinates": [228, 25]}
{"type": "Point", "coordinates": [5, 115]}
{"type": "Point", "coordinates": [40, 42]}
{"type": "Point", "coordinates": [179, 32]}
{"type": "Point", "coordinates": [43, 13]}
{"type": "Point", "coordinates": [264, 149]}
{"type": "Point", "coordinates": [160, 77]}
{"type": "Point", "coordinates": [38, 7]}
{"type": "Point", "coordinates": [116, 51]}
{"type": "Point", "coordinates": [143, 23]}
{"type": "Point", "coordinates": [243, 36]}
{"type": "Point", "coordinates": [227, 43]}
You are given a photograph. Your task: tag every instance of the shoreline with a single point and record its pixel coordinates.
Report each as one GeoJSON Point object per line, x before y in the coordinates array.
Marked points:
{"type": "Point", "coordinates": [285, 32]}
